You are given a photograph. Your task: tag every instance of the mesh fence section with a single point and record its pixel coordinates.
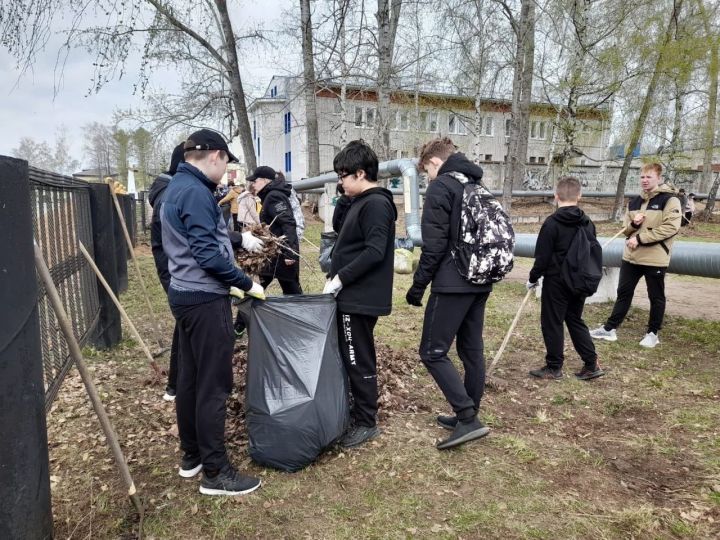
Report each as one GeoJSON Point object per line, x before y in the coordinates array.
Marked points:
{"type": "Point", "coordinates": [61, 217]}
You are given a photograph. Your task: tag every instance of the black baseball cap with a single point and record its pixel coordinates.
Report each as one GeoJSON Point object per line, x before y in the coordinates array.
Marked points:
{"type": "Point", "coordinates": [207, 139]}
{"type": "Point", "coordinates": [262, 172]}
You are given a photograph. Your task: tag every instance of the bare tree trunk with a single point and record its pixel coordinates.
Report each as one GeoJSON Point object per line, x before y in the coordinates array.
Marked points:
{"type": "Point", "coordinates": [478, 126]}
{"type": "Point", "coordinates": [388, 15]}
{"type": "Point", "coordinates": [710, 125]}
{"type": "Point", "coordinates": [343, 78]}
{"type": "Point", "coordinates": [522, 94]}
{"type": "Point", "coordinates": [311, 118]}
{"type": "Point", "coordinates": [619, 206]}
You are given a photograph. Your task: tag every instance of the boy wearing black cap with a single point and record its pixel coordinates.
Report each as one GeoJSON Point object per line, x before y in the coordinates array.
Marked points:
{"type": "Point", "coordinates": [361, 275]}
{"type": "Point", "coordinates": [200, 260]}
{"type": "Point", "coordinates": [277, 212]}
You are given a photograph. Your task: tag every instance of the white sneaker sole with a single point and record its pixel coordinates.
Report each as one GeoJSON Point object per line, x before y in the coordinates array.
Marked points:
{"type": "Point", "coordinates": [209, 491]}
{"type": "Point", "coordinates": [168, 397]}
{"type": "Point", "coordinates": [189, 473]}
{"type": "Point", "coordinates": [605, 338]}
{"type": "Point", "coordinates": [648, 345]}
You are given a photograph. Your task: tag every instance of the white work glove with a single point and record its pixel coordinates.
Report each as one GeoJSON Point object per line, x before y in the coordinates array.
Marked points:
{"type": "Point", "coordinates": [333, 286]}
{"type": "Point", "coordinates": [256, 291]}
{"type": "Point", "coordinates": [530, 285]}
{"type": "Point", "coordinates": [237, 293]}
{"type": "Point", "coordinates": [251, 243]}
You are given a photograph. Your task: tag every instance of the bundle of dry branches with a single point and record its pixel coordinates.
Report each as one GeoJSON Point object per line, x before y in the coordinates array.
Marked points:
{"type": "Point", "coordinates": [254, 263]}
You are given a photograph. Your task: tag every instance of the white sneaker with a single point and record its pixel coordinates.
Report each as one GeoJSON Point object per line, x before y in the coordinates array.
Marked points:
{"type": "Point", "coordinates": [650, 340]}
{"type": "Point", "coordinates": [601, 333]}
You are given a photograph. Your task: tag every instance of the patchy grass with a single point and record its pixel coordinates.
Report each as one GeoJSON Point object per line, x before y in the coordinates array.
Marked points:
{"type": "Point", "coordinates": [632, 455]}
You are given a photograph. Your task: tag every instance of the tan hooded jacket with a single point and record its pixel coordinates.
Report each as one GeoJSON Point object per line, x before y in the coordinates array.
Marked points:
{"type": "Point", "coordinates": [655, 235]}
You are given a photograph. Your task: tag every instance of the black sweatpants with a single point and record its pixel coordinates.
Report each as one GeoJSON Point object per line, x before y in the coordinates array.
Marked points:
{"type": "Point", "coordinates": [205, 377]}
{"type": "Point", "coordinates": [357, 348]}
{"type": "Point", "coordinates": [630, 275]}
{"type": "Point", "coordinates": [447, 316]}
{"type": "Point", "coordinates": [559, 305]}
{"type": "Point", "coordinates": [173, 371]}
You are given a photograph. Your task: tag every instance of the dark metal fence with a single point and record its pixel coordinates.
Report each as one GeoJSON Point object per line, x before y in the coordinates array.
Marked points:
{"type": "Point", "coordinates": [62, 217]}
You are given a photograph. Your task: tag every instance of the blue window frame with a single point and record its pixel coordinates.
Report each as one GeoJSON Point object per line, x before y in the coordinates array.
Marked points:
{"type": "Point", "coordinates": [258, 146]}
{"type": "Point", "coordinates": [254, 129]}
{"type": "Point", "coordinates": [287, 122]}
{"type": "Point", "coordinates": [288, 161]}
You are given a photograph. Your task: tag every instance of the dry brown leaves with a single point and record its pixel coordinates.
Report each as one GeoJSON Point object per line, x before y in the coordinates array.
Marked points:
{"type": "Point", "coordinates": [254, 263]}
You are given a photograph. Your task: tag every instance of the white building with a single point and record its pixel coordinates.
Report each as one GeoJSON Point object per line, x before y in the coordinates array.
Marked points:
{"type": "Point", "coordinates": [277, 121]}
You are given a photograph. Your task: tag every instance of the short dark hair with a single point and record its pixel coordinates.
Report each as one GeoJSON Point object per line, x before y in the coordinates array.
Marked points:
{"type": "Point", "coordinates": [568, 189]}
{"type": "Point", "coordinates": [357, 156]}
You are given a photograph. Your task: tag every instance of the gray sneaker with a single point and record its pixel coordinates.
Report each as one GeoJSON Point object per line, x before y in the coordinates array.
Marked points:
{"type": "Point", "coordinates": [601, 333]}
{"type": "Point", "coordinates": [358, 435]}
{"type": "Point", "coordinates": [650, 340]}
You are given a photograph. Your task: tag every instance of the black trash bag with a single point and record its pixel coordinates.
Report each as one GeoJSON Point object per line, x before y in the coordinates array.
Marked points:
{"type": "Point", "coordinates": [327, 242]}
{"type": "Point", "coordinates": [296, 397]}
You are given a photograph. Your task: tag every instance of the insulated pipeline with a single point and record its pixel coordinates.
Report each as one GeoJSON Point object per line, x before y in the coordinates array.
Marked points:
{"type": "Point", "coordinates": [688, 258]}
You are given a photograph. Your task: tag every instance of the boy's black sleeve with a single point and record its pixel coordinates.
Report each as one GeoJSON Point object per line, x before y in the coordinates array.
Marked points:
{"type": "Point", "coordinates": [543, 251]}
{"type": "Point", "coordinates": [435, 227]}
{"type": "Point", "coordinates": [280, 212]}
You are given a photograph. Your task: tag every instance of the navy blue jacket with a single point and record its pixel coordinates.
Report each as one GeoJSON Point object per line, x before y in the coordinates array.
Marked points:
{"type": "Point", "coordinates": [196, 242]}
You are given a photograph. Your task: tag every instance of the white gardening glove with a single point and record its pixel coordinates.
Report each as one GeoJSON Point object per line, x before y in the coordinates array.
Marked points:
{"type": "Point", "coordinates": [237, 293]}
{"type": "Point", "coordinates": [333, 286]}
{"type": "Point", "coordinates": [256, 291]}
{"type": "Point", "coordinates": [530, 285]}
{"type": "Point", "coordinates": [251, 243]}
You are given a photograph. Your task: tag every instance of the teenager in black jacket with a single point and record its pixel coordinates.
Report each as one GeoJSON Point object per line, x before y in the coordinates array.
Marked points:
{"type": "Point", "coordinates": [456, 307]}
{"type": "Point", "coordinates": [559, 304]}
{"type": "Point", "coordinates": [362, 278]}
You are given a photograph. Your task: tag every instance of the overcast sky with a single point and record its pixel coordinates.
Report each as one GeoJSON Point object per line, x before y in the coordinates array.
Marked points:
{"type": "Point", "coordinates": [29, 108]}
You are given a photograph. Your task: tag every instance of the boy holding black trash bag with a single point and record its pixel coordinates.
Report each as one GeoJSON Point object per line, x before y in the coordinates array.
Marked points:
{"type": "Point", "coordinates": [361, 278]}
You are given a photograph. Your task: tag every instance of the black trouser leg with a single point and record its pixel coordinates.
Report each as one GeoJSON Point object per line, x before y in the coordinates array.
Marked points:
{"type": "Point", "coordinates": [553, 308]}
{"type": "Point", "coordinates": [357, 348]}
{"type": "Point", "coordinates": [444, 316]}
{"type": "Point", "coordinates": [173, 370]}
{"type": "Point", "coordinates": [470, 349]}
{"type": "Point", "coordinates": [655, 282]}
{"type": "Point", "coordinates": [235, 224]}
{"type": "Point", "coordinates": [205, 378]}
{"type": "Point", "coordinates": [630, 274]}
{"type": "Point", "coordinates": [578, 330]}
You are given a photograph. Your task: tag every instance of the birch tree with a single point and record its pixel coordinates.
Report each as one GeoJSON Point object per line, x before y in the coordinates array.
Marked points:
{"type": "Point", "coordinates": [388, 17]}
{"type": "Point", "coordinates": [309, 85]}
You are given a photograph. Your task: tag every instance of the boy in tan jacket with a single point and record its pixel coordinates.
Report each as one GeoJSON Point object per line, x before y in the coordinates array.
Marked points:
{"type": "Point", "coordinates": [651, 222]}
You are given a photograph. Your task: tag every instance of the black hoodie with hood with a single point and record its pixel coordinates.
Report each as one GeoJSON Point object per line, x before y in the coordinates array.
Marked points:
{"type": "Point", "coordinates": [363, 256]}
{"type": "Point", "coordinates": [554, 240]}
{"type": "Point", "coordinates": [441, 227]}
{"type": "Point", "coordinates": [277, 212]}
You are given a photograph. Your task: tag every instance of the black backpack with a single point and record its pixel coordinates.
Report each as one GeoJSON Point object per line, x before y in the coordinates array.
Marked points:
{"type": "Point", "coordinates": [483, 253]}
{"type": "Point", "coordinates": [582, 267]}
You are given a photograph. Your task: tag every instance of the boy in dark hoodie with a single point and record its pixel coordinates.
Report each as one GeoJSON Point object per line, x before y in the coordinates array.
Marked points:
{"type": "Point", "coordinates": [156, 196]}
{"type": "Point", "coordinates": [361, 275]}
{"type": "Point", "coordinates": [559, 304]}
{"type": "Point", "coordinates": [455, 307]}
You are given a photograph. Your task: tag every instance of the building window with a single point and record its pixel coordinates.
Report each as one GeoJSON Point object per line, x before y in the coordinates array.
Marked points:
{"type": "Point", "coordinates": [258, 146]}
{"type": "Point", "coordinates": [273, 91]}
{"type": "Point", "coordinates": [370, 117]}
{"type": "Point", "coordinates": [358, 116]}
{"type": "Point", "coordinates": [403, 120]}
{"type": "Point", "coordinates": [432, 125]}
{"type": "Point", "coordinates": [337, 107]}
{"type": "Point", "coordinates": [287, 122]}
{"type": "Point", "coordinates": [508, 126]}
{"type": "Point", "coordinates": [488, 157]}
{"type": "Point", "coordinates": [254, 129]}
{"type": "Point", "coordinates": [533, 159]}
{"type": "Point", "coordinates": [288, 161]}
{"type": "Point", "coordinates": [537, 130]}
{"type": "Point", "coordinates": [489, 126]}
{"type": "Point", "coordinates": [455, 125]}
{"type": "Point", "coordinates": [422, 121]}
{"type": "Point", "coordinates": [541, 159]}
{"type": "Point", "coordinates": [404, 154]}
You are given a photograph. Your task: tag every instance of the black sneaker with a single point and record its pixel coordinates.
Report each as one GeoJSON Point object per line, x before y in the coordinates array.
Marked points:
{"type": "Point", "coordinates": [546, 372]}
{"type": "Point", "coordinates": [447, 422]}
{"type": "Point", "coordinates": [190, 465]}
{"type": "Point", "coordinates": [587, 373]}
{"type": "Point", "coordinates": [358, 435]}
{"type": "Point", "coordinates": [228, 481]}
{"type": "Point", "coordinates": [464, 432]}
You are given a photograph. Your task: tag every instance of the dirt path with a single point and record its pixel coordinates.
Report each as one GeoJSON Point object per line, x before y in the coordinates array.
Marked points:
{"type": "Point", "coordinates": [687, 296]}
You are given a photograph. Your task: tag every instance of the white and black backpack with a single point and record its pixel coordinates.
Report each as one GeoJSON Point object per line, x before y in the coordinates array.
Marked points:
{"type": "Point", "coordinates": [483, 253]}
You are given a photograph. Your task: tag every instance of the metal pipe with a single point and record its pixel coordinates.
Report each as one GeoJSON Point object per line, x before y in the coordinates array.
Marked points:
{"type": "Point", "coordinates": [688, 258]}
